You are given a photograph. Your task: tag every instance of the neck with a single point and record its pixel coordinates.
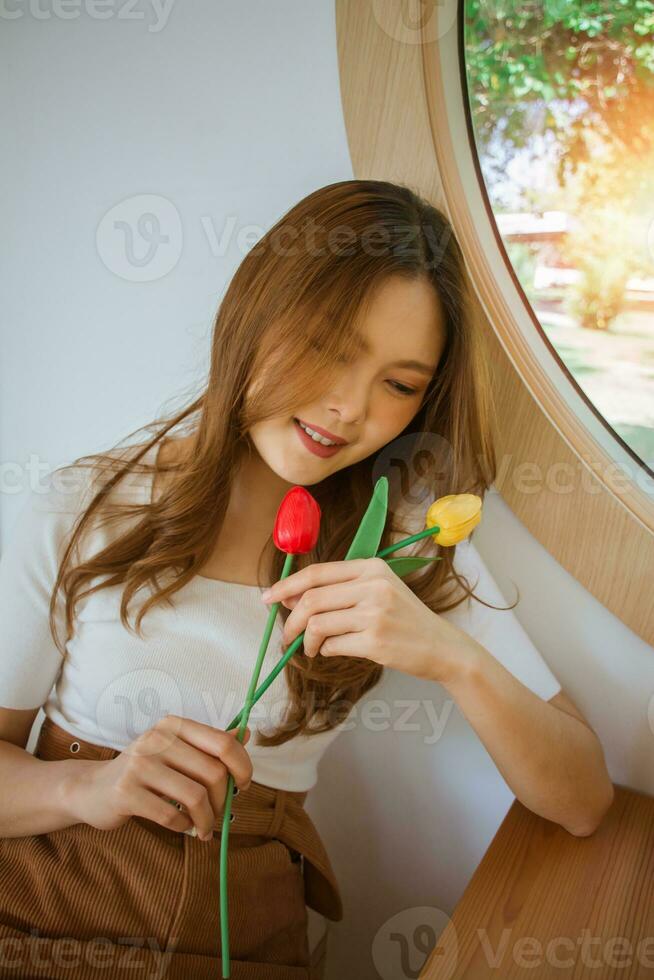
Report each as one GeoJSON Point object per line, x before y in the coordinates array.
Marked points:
{"type": "Point", "coordinates": [256, 494]}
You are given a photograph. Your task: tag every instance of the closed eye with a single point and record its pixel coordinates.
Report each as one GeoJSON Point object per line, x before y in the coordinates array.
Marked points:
{"type": "Point", "coordinates": [403, 389]}
{"type": "Point", "coordinates": [396, 385]}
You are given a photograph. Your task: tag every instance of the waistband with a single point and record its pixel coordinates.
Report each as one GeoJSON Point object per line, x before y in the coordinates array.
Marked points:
{"type": "Point", "coordinates": [260, 811]}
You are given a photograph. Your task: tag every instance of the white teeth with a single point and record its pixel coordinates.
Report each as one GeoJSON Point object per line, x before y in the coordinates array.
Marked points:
{"type": "Point", "coordinates": [316, 436]}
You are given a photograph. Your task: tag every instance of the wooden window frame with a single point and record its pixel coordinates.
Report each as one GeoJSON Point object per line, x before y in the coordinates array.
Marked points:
{"type": "Point", "coordinates": [405, 124]}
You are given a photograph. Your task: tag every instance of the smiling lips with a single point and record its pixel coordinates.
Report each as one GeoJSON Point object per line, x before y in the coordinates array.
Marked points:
{"type": "Point", "coordinates": [313, 446]}
{"type": "Point", "coordinates": [324, 432]}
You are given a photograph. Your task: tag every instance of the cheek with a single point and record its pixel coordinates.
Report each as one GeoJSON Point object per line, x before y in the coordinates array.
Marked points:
{"type": "Point", "coordinates": [267, 437]}
{"type": "Point", "coordinates": [393, 415]}
{"type": "Point", "coordinates": [380, 430]}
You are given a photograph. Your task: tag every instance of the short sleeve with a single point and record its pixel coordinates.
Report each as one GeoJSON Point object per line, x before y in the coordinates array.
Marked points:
{"type": "Point", "coordinates": [29, 659]}
{"type": "Point", "coordinates": [499, 631]}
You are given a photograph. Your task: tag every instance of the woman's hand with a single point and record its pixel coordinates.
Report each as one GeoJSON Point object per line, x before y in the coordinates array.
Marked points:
{"type": "Point", "coordinates": [177, 759]}
{"type": "Point", "coordinates": [361, 608]}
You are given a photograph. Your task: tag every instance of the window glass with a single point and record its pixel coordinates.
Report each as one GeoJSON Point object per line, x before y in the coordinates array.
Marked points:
{"type": "Point", "coordinates": [561, 103]}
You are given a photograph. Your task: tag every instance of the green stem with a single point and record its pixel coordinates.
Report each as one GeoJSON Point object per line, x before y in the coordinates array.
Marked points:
{"type": "Point", "coordinates": [279, 666]}
{"type": "Point", "coordinates": [426, 533]}
{"type": "Point", "coordinates": [243, 715]}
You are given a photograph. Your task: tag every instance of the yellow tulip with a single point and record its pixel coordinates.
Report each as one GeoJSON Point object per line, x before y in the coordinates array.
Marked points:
{"type": "Point", "coordinates": [456, 515]}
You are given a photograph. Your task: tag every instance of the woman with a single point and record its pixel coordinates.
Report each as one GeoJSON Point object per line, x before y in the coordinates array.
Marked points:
{"type": "Point", "coordinates": [345, 331]}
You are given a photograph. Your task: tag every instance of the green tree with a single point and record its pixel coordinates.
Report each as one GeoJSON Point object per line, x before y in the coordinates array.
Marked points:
{"type": "Point", "coordinates": [580, 74]}
{"type": "Point", "coordinates": [565, 67]}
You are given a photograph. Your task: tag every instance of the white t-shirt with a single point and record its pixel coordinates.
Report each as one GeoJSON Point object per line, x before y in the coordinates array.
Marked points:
{"type": "Point", "coordinates": [500, 631]}
{"type": "Point", "coordinates": [195, 658]}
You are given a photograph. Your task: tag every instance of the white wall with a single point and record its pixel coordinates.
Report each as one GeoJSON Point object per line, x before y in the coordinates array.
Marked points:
{"type": "Point", "coordinates": [228, 114]}
{"type": "Point", "coordinates": [422, 811]}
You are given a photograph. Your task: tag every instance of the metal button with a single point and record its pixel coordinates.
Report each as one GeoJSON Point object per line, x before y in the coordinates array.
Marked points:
{"type": "Point", "coordinates": [231, 817]}
{"type": "Point", "coordinates": [235, 793]}
{"type": "Point", "coordinates": [75, 746]}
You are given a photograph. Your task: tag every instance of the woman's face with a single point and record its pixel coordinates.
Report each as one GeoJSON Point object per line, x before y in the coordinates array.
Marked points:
{"type": "Point", "coordinates": [372, 399]}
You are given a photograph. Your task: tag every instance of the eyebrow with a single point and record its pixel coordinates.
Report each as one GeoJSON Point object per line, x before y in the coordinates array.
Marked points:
{"type": "Point", "coordinates": [414, 365]}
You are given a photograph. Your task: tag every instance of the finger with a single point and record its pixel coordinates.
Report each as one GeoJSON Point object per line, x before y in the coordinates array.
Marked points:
{"type": "Point", "coordinates": [320, 573]}
{"type": "Point", "coordinates": [152, 807]}
{"type": "Point", "coordinates": [329, 625]}
{"type": "Point", "coordinates": [246, 735]}
{"type": "Point", "coordinates": [214, 741]}
{"type": "Point", "coordinates": [157, 776]}
{"type": "Point", "coordinates": [202, 768]}
{"type": "Point", "coordinates": [348, 645]}
{"type": "Point", "coordinates": [342, 595]}
{"type": "Point", "coordinates": [291, 602]}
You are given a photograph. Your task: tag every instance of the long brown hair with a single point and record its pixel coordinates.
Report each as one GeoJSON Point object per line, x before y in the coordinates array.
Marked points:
{"type": "Point", "coordinates": [291, 309]}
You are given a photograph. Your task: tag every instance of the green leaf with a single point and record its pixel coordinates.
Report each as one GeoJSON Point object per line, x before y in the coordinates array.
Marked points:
{"type": "Point", "coordinates": [404, 566]}
{"type": "Point", "coordinates": [365, 543]}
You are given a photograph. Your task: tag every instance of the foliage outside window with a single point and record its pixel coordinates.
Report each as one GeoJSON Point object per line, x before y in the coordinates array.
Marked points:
{"type": "Point", "coordinates": [561, 100]}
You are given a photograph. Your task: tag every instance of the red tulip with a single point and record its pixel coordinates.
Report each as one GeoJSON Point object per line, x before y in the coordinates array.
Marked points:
{"type": "Point", "coordinates": [297, 523]}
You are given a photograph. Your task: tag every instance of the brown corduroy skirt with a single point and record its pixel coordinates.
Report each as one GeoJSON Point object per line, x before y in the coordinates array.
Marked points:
{"type": "Point", "coordinates": [143, 900]}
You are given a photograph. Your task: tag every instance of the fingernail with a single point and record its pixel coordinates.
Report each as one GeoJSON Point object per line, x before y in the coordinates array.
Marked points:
{"type": "Point", "coordinates": [266, 594]}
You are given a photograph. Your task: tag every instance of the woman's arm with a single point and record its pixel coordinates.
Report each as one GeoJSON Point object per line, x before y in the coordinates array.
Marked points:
{"type": "Point", "coordinates": [552, 761]}
{"type": "Point", "coordinates": [34, 792]}
{"type": "Point", "coordinates": [550, 758]}
{"type": "Point", "coordinates": [34, 795]}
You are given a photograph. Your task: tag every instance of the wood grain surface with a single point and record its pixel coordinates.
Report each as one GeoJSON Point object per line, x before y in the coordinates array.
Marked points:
{"type": "Point", "coordinates": [544, 903]}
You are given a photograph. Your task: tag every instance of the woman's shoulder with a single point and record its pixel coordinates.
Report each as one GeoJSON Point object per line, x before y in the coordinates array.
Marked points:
{"type": "Point", "coordinates": [69, 489]}
{"type": "Point", "coordinates": [169, 452]}
{"type": "Point", "coordinates": [74, 485]}
{"type": "Point", "coordinates": [71, 486]}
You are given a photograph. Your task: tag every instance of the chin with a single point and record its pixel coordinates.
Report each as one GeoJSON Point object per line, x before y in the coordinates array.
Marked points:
{"type": "Point", "coordinates": [306, 473]}
{"type": "Point", "coordinates": [284, 454]}
{"type": "Point", "coordinates": [275, 454]}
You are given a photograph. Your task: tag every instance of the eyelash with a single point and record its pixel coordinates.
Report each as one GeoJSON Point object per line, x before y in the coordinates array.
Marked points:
{"type": "Point", "coordinates": [400, 388]}
{"type": "Point", "coordinates": [403, 389]}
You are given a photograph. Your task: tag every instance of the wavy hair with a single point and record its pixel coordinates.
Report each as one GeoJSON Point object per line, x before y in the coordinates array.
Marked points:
{"type": "Point", "coordinates": [291, 310]}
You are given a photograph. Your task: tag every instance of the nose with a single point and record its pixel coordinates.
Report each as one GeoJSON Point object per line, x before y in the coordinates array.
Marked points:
{"type": "Point", "coordinates": [346, 401]}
